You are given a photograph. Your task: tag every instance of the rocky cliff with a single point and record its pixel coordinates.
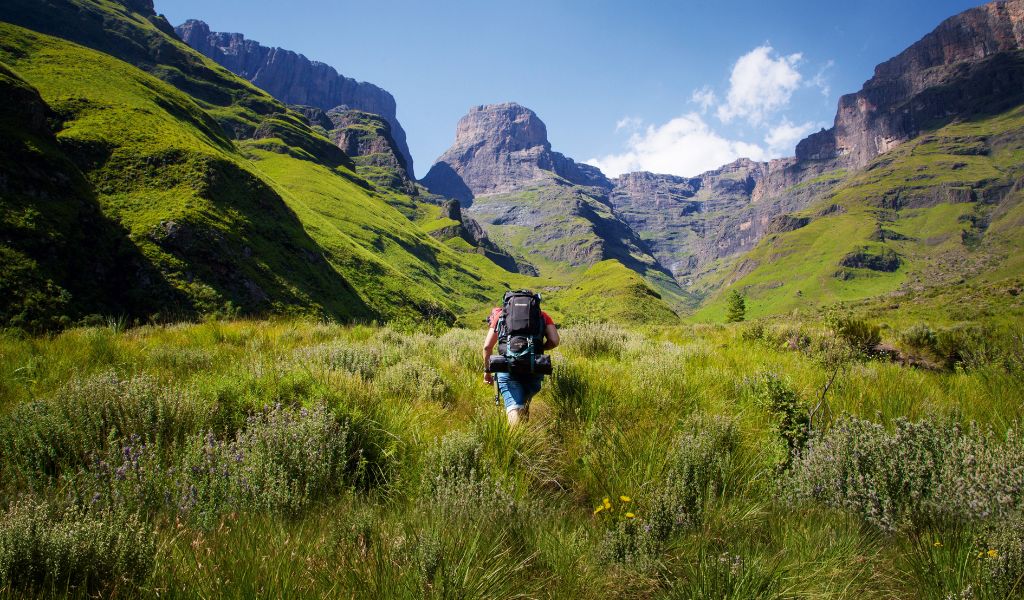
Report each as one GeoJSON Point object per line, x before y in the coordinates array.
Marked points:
{"type": "Point", "coordinates": [500, 148]}
{"type": "Point", "coordinates": [968, 65]}
{"type": "Point", "coordinates": [368, 140]}
{"type": "Point", "coordinates": [293, 78]}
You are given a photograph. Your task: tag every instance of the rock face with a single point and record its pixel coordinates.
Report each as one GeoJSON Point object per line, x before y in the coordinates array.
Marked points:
{"type": "Point", "coordinates": [500, 148]}
{"type": "Point", "coordinates": [293, 78]}
{"type": "Point", "coordinates": [367, 139]}
{"type": "Point", "coordinates": [689, 221]}
{"type": "Point", "coordinates": [965, 66]}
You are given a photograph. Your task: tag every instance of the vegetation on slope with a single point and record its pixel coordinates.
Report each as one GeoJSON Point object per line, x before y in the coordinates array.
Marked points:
{"type": "Point", "coordinates": [608, 292]}
{"type": "Point", "coordinates": [184, 222]}
{"type": "Point", "coordinates": [936, 213]}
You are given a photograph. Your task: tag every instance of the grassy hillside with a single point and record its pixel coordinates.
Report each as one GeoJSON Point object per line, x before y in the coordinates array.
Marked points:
{"type": "Point", "coordinates": [937, 213]}
{"type": "Point", "coordinates": [203, 227]}
{"type": "Point", "coordinates": [164, 187]}
{"type": "Point", "coordinates": [608, 292]}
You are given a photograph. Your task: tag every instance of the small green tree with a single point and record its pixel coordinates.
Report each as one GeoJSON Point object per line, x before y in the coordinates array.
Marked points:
{"type": "Point", "coordinates": [737, 309]}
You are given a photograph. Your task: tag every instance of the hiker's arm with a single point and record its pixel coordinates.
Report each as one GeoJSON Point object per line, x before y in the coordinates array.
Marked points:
{"type": "Point", "coordinates": [489, 342]}
{"type": "Point", "coordinates": [550, 337]}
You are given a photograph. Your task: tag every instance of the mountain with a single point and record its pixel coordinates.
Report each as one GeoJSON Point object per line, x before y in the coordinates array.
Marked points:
{"type": "Point", "coordinates": [914, 195]}
{"type": "Point", "coordinates": [695, 225]}
{"type": "Point", "coordinates": [294, 79]}
{"type": "Point", "coordinates": [140, 179]}
{"type": "Point", "coordinates": [553, 212]}
{"type": "Point", "coordinates": [368, 140]}
{"type": "Point", "coordinates": [968, 68]}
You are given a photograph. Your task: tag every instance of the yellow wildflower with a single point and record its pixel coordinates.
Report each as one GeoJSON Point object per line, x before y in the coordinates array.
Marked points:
{"type": "Point", "coordinates": [992, 553]}
{"type": "Point", "coordinates": [625, 498]}
{"type": "Point", "coordinates": [937, 544]}
{"type": "Point", "coordinates": [607, 503]}
{"type": "Point", "coordinates": [598, 509]}
{"type": "Point", "coordinates": [630, 515]}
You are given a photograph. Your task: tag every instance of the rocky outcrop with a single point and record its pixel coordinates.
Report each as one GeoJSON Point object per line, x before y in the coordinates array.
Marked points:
{"type": "Point", "coordinates": [367, 139]}
{"type": "Point", "coordinates": [293, 78]}
{"type": "Point", "coordinates": [500, 148]}
{"type": "Point", "coordinates": [969, 64]}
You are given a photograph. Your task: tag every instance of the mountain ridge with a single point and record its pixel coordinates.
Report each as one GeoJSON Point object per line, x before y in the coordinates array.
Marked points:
{"type": "Point", "coordinates": [294, 79]}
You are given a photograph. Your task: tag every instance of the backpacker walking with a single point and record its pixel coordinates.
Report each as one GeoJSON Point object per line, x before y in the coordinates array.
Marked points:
{"type": "Point", "coordinates": [522, 332]}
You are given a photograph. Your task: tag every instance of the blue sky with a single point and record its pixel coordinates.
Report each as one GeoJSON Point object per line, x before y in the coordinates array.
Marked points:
{"type": "Point", "coordinates": [675, 87]}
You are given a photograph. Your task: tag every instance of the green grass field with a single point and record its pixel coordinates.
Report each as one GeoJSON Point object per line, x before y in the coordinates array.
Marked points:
{"type": "Point", "coordinates": [299, 459]}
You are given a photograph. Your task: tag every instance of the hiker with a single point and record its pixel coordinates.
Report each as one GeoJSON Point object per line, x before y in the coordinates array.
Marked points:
{"type": "Point", "coordinates": [516, 389]}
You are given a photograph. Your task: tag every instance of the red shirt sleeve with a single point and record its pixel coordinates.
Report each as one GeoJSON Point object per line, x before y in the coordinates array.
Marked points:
{"type": "Point", "coordinates": [547, 318]}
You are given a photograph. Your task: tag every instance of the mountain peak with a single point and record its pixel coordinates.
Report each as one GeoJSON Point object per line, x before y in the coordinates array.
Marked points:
{"type": "Point", "coordinates": [508, 125]}
{"type": "Point", "coordinates": [501, 148]}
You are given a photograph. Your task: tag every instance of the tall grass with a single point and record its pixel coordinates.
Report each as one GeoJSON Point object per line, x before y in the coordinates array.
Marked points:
{"type": "Point", "coordinates": [300, 459]}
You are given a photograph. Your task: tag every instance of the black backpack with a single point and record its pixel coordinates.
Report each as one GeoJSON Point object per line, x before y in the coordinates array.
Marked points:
{"type": "Point", "coordinates": [521, 331]}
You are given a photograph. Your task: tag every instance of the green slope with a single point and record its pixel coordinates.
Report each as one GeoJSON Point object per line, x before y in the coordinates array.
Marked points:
{"type": "Point", "coordinates": [278, 224]}
{"type": "Point", "coordinates": [610, 292]}
{"type": "Point", "coordinates": [140, 179]}
{"type": "Point", "coordinates": [936, 214]}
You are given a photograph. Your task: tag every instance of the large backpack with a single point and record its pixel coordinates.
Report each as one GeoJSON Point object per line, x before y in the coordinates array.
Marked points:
{"type": "Point", "coordinates": [521, 330]}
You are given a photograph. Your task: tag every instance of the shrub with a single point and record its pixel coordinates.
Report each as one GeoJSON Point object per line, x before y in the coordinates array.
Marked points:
{"type": "Point", "coordinates": [457, 457]}
{"type": "Point", "coordinates": [596, 340]}
{"type": "Point", "coordinates": [459, 486]}
{"type": "Point", "coordinates": [913, 474]}
{"type": "Point", "coordinates": [414, 380]}
{"type": "Point", "coordinates": [966, 346]}
{"type": "Point", "coordinates": [40, 439]}
{"type": "Point", "coordinates": [282, 460]}
{"type": "Point", "coordinates": [1001, 551]}
{"type": "Point", "coordinates": [754, 332]}
{"type": "Point", "coordinates": [45, 546]}
{"type": "Point", "coordinates": [697, 471]}
{"type": "Point", "coordinates": [365, 361]}
{"type": "Point", "coordinates": [791, 418]}
{"type": "Point", "coordinates": [862, 336]}
{"type": "Point", "coordinates": [920, 338]}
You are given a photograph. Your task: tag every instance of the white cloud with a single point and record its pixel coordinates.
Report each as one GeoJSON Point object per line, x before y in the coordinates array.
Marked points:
{"type": "Point", "coordinates": [782, 139]}
{"type": "Point", "coordinates": [628, 123]}
{"type": "Point", "coordinates": [760, 86]}
{"type": "Point", "coordinates": [761, 83]}
{"type": "Point", "coordinates": [684, 146]}
{"type": "Point", "coordinates": [820, 81]}
{"type": "Point", "coordinates": [704, 97]}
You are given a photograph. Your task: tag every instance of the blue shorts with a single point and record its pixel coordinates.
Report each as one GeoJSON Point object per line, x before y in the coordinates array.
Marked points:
{"type": "Point", "coordinates": [518, 390]}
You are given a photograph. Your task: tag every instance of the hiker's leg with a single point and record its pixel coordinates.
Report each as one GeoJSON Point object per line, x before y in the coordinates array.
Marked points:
{"type": "Point", "coordinates": [531, 387]}
{"type": "Point", "coordinates": [513, 394]}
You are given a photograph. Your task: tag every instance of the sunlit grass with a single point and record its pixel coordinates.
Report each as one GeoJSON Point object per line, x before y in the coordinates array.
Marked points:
{"type": "Point", "coordinates": [629, 414]}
